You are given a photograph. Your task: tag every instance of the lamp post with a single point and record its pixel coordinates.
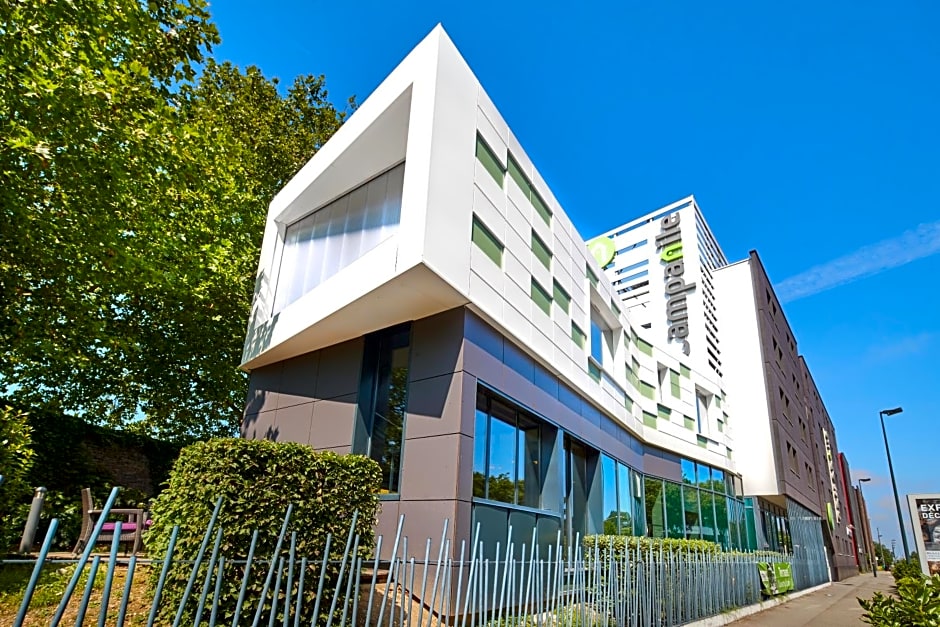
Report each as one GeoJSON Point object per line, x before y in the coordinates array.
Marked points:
{"type": "Point", "coordinates": [874, 571]}
{"type": "Point", "coordinates": [894, 485]}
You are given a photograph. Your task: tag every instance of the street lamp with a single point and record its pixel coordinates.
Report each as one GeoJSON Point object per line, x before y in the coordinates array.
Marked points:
{"type": "Point", "coordinates": [874, 570]}
{"type": "Point", "coordinates": [894, 485]}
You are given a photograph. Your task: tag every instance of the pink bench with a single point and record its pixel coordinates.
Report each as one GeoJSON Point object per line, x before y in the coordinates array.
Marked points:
{"type": "Point", "coordinates": [133, 523]}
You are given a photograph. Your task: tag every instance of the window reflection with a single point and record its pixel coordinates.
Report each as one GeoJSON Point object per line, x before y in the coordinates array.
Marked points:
{"type": "Point", "coordinates": [704, 475]}
{"type": "Point", "coordinates": [512, 453]}
{"type": "Point", "coordinates": [507, 454]}
{"type": "Point", "coordinates": [655, 510]}
{"type": "Point", "coordinates": [609, 480]}
{"type": "Point", "coordinates": [624, 501]}
{"type": "Point", "coordinates": [384, 402]}
{"type": "Point", "coordinates": [674, 517]}
{"type": "Point", "coordinates": [502, 462]}
{"type": "Point", "coordinates": [690, 500]}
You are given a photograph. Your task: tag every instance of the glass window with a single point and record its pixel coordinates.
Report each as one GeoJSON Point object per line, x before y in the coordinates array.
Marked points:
{"type": "Point", "coordinates": [707, 503]}
{"type": "Point", "coordinates": [541, 297]}
{"type": "Point", "coordinates": [591, 276]}
{"type": "Point", "coordinates": [655, 508]}
{"type": "Point", "coordinates": [487, 242]}
{"type": "Point", "coordinates": [541, 251]}
{"type": "Point", "coordinates": [528, 479]}
{"type": "Point", "coordinates": [718, 480]}
{"type": "Point", "coordinates": [639, 512]}
{"type": "Point", "coordinates": [624, 501]}
{"type": "Point", "coordinates": [488, 160]}
{"type": "Point", "coordinates": [721, 520]}
{"type": "Point", "coordinates": [577, 335]}
{"type": "Point", "coordinates": [674, 516]}
{"type": "Point", "coordinates": [690, 501]}
{"type": "Point", "coordinates": [507, 453]}
{"type": "Point", "coordinates": [609, 494]}
{"type": "Point", "coordinates": [519, 177]}
{"type": "Point", "coordinates": [561, 297]}
{"type": "Point", "coordinates": [384, 400]}
{"type": "Point", "coordinates": [502, 467]}
{"type": "Point", "coordinates": [688, 472]}
{"type": "Point", "coordinates": [318, 246]}
{"type": "Point", "coordinates": [701, 412]}
{"type": "Point", "coordinates": [597, 339]}
{"type": "Point", "coordinates": [480, 439]}
{"type": "Point", "coordinates": [704, 475]}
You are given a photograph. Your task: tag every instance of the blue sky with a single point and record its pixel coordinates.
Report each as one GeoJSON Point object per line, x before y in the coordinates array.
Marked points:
{"type": "Point", "coordinates": [808, 131]}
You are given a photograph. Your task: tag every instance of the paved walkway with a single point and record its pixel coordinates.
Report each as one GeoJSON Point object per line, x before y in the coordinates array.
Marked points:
{"type": "Point", "coordinates": [833, 606]}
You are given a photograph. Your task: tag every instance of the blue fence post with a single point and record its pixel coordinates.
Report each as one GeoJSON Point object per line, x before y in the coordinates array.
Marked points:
{"type": "Point", "coordinates": [83, 606]}
{"type": "Point", "coordinates": [131, 567]}
{"type": "Point", "coordinates": [198, 563]}
{"type": "Point", "coordinates": [244, 588]}
{"type": "Point", "coordinates": [112, 559]}
{"type": "Point", "coordinates": [158, 593]}
{"type": "Point", "coordinates": [277, 551]}
{"type": "Point", "coordinates": [34, 578]}
{"type": "Point", "coordinates": [70, 589]}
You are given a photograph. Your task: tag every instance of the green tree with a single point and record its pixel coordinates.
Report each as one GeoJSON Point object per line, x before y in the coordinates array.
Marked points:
{"type": "Point", "coordinates": [16, 458]}
{"type": "Point", "coordinates": [133, 201]}
{"type": "Point", "coordinates": [884, 556]}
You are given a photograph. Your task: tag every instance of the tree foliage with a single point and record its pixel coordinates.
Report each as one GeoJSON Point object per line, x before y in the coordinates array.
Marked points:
{"type": "Point", "coordinates": [16, 459]}
{"type": "Point", "coordinates": [133, 199]}
{"type": "Point", "coordinates": [884, 556]}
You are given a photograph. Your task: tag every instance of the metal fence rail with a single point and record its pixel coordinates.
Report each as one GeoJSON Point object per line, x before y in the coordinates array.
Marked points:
{"type": "Point", "coordinates": [471, 585]}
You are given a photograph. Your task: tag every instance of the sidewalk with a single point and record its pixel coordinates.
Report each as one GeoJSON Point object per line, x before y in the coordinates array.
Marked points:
{"type": "Point", "coordinates": [833, 606]}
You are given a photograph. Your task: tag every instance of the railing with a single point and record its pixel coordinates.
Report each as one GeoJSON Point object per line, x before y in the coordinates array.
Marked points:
{"type": "Point", "coordinates": [467, 586]}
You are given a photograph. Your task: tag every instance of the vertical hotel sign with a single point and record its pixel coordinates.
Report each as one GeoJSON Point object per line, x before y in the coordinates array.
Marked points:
{"type": "Point", "coordinates": [836, 502]}
{"type": "Point", "coordinates": [925, 518]}
{"type": "Point", "coordinates": [669, 245]}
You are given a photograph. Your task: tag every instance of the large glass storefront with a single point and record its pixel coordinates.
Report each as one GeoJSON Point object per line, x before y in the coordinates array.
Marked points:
{"type": "Point", "coordinates": [528, 474]}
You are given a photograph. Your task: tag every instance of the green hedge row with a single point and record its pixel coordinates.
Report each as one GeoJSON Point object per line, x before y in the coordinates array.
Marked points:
{"type": "Point", "coordinates": [257, 480]}
{"type": "Point", "coordinates": [619, 544]}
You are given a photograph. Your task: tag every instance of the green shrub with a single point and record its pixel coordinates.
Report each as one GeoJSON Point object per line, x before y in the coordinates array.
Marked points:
{"type": "Point", "coordinates": [645, 544]}
{"type": "Point", "coordinates": [907, 568]}
{"type": "Point", "coordinates": [917, 604]}
{"type": "Point", "coordinates": [257, 480]}
{"type": "Point", "coordinates": [16, 457]}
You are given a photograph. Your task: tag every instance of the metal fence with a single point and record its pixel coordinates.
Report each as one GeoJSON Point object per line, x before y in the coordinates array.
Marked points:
{"type": "Point", "coordinates": [470, 585]}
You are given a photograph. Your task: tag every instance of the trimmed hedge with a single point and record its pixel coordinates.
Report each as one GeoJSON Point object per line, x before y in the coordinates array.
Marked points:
{"type": "Point", "coordinates": [645, 544]}
{"type": "Point", "coordinates": [16, 458]}
{"type": "Point", "coordinates": [257, 479]}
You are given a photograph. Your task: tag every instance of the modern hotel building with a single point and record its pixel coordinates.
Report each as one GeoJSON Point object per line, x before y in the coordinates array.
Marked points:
{"type": "Point", "coordinates": [423, 298]}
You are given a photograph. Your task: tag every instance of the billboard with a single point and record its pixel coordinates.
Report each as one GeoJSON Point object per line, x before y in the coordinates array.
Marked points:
{"type": "Point", "coordinates": [925, 518]}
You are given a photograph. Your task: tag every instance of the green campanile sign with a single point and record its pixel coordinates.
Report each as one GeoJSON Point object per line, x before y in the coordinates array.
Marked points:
{"type": "Point", "coordinates": [602, 249]}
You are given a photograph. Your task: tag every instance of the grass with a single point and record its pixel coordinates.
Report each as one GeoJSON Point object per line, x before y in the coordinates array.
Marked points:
{"type": "Point", "coordinates": [53, 581]}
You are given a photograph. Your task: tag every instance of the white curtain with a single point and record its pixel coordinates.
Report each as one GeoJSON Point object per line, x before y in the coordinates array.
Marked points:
{"type": "Point", "coordinates": [324, 242]}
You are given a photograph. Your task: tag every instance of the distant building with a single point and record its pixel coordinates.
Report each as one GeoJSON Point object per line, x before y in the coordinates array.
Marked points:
{"type": "Point", "coordinates": [790, 465]}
